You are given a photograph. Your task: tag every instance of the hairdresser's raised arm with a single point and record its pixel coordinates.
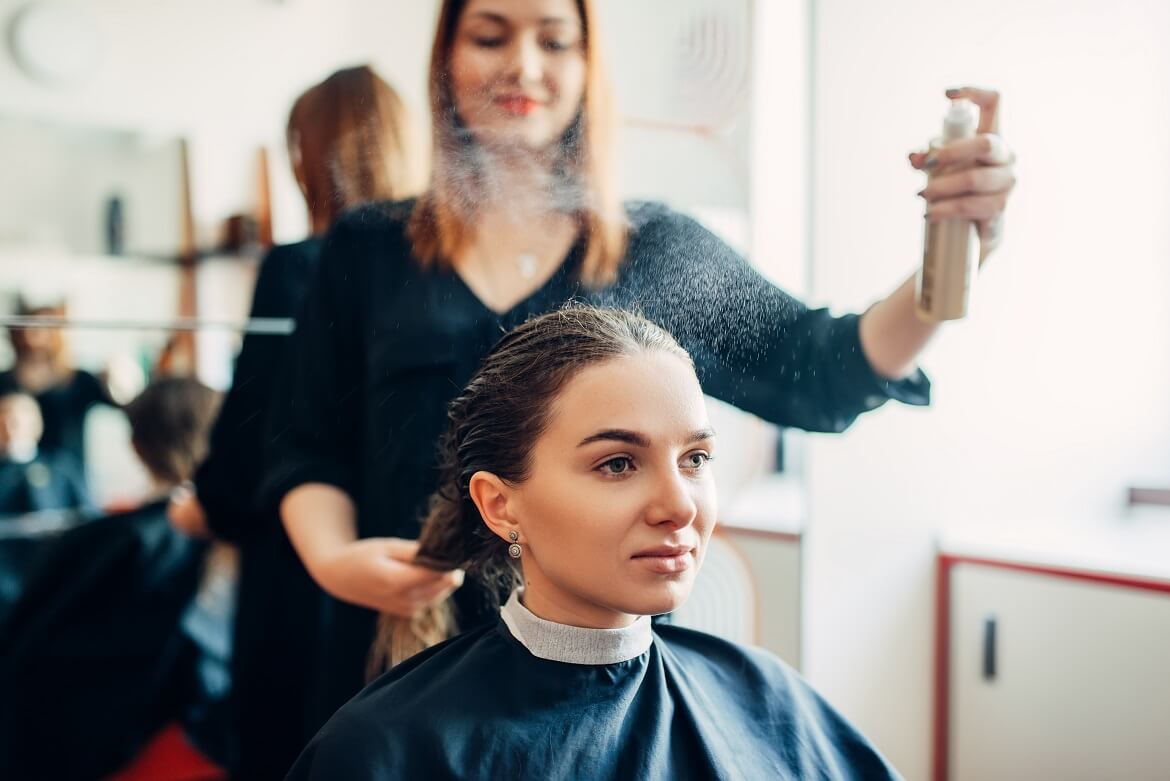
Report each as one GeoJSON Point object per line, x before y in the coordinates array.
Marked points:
{"type": "Point", "coordinates": [754, 346]}
{"type": "Point", "coordinates": [976, 187]}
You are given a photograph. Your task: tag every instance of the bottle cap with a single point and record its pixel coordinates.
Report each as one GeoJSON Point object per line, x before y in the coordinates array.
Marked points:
{"type": "Point", "coordinates": [961, 118]}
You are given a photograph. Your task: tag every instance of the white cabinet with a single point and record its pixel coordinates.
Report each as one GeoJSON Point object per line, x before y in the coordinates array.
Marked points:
{"type": "Point", "coordinates": [1053, 675]}
{"type": "Point", "coordinates": [774, 561]}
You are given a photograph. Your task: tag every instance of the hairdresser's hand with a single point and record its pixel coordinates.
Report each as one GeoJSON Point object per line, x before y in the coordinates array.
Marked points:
{"type": "Point", "coordinates": [377, 573]}
{"type": "Point", "coordinates": [977, 173]}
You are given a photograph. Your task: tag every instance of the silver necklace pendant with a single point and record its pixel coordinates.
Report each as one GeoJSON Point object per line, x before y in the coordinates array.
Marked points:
{"type": "Point", "coordinates": [527, 264]}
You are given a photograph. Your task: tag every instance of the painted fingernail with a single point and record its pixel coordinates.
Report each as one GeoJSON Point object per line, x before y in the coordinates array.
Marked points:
{"type": "Point", "coordinates": [931, 161]}
{"type": "Point", "coordinates": [953, 92]}
{"type": "Point", "coordinates": [920, 193]}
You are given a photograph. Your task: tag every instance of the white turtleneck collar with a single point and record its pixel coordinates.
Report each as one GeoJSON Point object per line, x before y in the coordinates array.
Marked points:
{"type": "Point", "coordinates": [574, 644]}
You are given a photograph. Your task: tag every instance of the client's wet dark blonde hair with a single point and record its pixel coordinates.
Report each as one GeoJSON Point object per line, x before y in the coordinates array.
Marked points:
{"type": "Point", "coordinates": [494, 425]}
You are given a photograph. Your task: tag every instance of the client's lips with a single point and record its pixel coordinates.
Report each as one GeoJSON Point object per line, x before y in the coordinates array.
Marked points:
{"type": "Point", "coordinates": [666, 559]}
{"type": "Point", "coordinates": [665, 551]}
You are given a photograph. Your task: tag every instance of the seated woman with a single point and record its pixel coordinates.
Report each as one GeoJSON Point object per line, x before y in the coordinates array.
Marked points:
{"type": "Point", "coordinates": [576, 486]}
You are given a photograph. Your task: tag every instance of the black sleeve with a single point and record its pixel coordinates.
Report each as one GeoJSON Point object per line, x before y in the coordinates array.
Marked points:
{"type": "Point", "coordinates": [755, 346]}
{"type": "Point", "coordinates": [315, 423]}
{"type": "Point", "coordinates": [227, 481]}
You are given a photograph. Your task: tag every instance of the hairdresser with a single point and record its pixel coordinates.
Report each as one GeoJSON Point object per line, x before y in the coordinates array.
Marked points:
{"type": "Point", "coordinates": [522, 214]}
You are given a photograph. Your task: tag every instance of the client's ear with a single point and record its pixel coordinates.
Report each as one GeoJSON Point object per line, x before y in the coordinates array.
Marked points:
{"type": "Point", "coordinates": [491, 496]}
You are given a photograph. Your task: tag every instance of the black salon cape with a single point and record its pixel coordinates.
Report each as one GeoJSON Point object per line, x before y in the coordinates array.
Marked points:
{"type": "Point", "coordinates": [693, 706]}
{"type": "Point", "coordinates": [93, 659]}
{"type": "Point", "coordinates": [383, 345]}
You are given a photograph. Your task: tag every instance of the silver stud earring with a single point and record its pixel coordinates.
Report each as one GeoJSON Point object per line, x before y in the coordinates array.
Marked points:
{"type": "Point", "coordinates": [514, 550]}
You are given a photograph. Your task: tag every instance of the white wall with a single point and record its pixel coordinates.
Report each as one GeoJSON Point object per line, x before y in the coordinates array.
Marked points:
{"type": "Point", "coordinates": [224, 73]}
{"type": "Point", "coordinates": [1054, 396]}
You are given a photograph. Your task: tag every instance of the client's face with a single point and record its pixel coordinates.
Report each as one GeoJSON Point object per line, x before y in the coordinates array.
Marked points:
{"type": "Point", "coordinates": [620, 501]}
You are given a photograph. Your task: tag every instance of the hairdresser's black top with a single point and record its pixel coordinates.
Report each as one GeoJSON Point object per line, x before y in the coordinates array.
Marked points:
{"type": "Point", "coordinates": [691, 706]}
{"type": "Point", "coordinates": [383, 345]}
{"type": "Point", "coordinates": [226, 481]}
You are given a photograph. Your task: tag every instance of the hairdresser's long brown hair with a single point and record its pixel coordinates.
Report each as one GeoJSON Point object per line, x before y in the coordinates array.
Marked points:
{"type": "Point", "coordinates": [442, 223]}
{"type": "Point", "coordinates": [494, 425]}
{"type": "Point", "coordinates": [355, 142]}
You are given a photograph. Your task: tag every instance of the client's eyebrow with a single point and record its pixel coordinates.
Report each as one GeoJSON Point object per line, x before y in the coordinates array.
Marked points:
{"type": "Point", "coordinates": [639, 440]}
{"type": "Point", "coordinates": [616, 435]}
{"type": "Point", "coordinates": [700, 435]}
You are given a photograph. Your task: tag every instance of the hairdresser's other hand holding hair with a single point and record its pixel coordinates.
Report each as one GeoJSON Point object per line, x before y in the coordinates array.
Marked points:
{"type": "Point", "coordinates": [377, 573]}
{"type": "Point", "coordinates": [978, 173]}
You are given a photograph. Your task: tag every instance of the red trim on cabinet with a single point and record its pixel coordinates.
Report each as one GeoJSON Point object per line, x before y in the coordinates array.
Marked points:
{"type": "Point", "coordinates": [1125, 581]}
{"type": "Point", "coordinates": [942, 666]}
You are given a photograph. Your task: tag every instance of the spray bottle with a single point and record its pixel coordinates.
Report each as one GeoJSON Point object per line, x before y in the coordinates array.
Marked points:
{"type": "Point", "coordinates": [950, 255]}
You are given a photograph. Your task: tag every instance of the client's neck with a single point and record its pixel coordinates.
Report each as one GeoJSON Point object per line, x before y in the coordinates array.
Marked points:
{"type": "Point", "coordinates": [572, 610]}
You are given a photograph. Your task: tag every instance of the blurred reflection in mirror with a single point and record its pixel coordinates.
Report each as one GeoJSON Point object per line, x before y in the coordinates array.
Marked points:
{"type": "Point", "coordinates": [43, 368]}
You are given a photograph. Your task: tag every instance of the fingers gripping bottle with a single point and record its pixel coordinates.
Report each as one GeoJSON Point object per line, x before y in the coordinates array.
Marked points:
{"type": "Point", "coordinates": [950, 255]}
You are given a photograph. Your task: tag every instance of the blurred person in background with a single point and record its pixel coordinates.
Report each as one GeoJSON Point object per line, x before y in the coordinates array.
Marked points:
{"type": "Point", "coordinates": [43, 368]}
{"type": "Point", "coordinates": [121, 632]}
{"type": "Point", "coordinates": [31, 479]}
{"type": "Point", "coordinates": [350, 141]}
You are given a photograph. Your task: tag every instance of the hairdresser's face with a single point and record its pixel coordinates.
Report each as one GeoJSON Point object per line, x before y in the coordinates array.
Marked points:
{"type": "Point", "coordinates": [620, 503]}
{"type": "Point", "coordinates": [518, 70]}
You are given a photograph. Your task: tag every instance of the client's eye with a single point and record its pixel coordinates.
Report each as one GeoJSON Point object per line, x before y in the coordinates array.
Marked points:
{"type": "Point", "coordinates": [696, 461]}
{"type": "Point", "coordinates": [617, 466]}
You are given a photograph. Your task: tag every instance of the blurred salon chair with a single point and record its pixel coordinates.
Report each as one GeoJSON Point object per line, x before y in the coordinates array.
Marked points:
{"type": "Point", "coordinates": [724, 600]}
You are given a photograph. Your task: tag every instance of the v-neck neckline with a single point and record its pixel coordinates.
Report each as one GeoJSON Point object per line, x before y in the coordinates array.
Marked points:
{"type": "Point", "coordinates": [568, 263]}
